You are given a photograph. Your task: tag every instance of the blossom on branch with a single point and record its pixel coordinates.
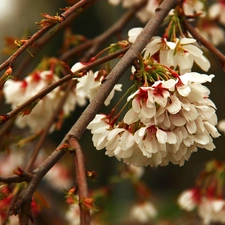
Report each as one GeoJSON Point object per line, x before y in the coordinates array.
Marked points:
{"type": "Point", "coordinates": [180, 54]}
{"type": "Point", "coordinates": [167, 121]}
{"type": "Point", "coordinates": [208, 195]}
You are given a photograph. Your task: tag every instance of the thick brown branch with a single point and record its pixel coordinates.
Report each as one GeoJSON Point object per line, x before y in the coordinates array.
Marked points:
{"type": "Point", "coordinates": [15, 179]}
{"type": "Point", "coordinates": [81, 180]}
{"type": "Point", "coordinates": [220, 56]}
{"type": "Point", "coordinates": [40, 32]}
{"type": "Point", "coordinates": [79, 127]}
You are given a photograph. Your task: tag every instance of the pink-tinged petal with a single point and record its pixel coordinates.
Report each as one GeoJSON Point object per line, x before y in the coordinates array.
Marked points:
{"type": "Point", "coordinates": [161, 136]}
{"type": "Point", "coordinates": [138, 135]}
{"type": "Point", "coordinates": [214, 10]}
{"type": "Point", "coordinates": [197, 77]}
{"type": "Point", "coordinates": [210, 146]}
{"type": "Point", "coordinates": [131, 117]}
{"type": "Point", "coordinates": [151, 49]}
{"type": "Point", "coordinates": [136, 105]}
{"type": "Point", "coordinates": [127, 140]}
{"type": "Point", "coordinates": [127, 153]}
{"type": "Point", "coordinates": [191, 127]}
{"type": "Point", "coordinates": [175, 105]}
{"type": "Point", "coordinates": [76, 67]}
{"type": "Point", "coordinates": [218, 205]}
{"type": "Point", "coordinates": [171, 138]}
{"type": "Point", "coordinates": [190, 115]}
{"type": "Point", "coordinates": [201, 139]}
{"type": "Point", "coordinates": [185, 41]}
{"type": "Point", "coordinates": [177, 120]}
{"type": "Point", "coordinates": [211, 129]}
{"type": "Point", "coordinates": [133, 33]}
{"type": "Point", "coordinates": [184, 90]}
{"type": "Point", "coordinates": [203, 63]}
{"type": "Point", "coordinates": [132, 95]}
{"type": "Point", "coordinates": [194, 50]}
{"type": "Point", "coordinates": [113, 133]}
{"type": "Point", "coordinates": [169, 84]}
{"type": "Point", "coordinates": [171, 45]}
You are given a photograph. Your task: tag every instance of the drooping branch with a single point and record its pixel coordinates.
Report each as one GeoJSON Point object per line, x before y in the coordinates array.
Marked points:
{"type": "Point", "coordinates": [39, 44]}
{"type": "Point", "coordinates": [79, 127]}
{"type": "Point", "coordinates": [51, 87]}
{"type": "Point", "coordinates": [15, 179]}
{"type": "Point", "coordinates": [94, 44]}
{"type": "Point", "coordinates": [220, 56]}
{"type": "Point", "coordinates": [81, 4]}
{"type": "Point", "coordinates": [81, 180]}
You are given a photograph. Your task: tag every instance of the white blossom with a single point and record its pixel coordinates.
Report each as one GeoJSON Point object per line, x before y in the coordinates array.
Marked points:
{"type": "Point", "coordinates": [73, 214]}
{"type": "Point", "coordinates": [192, 7]}
{"type": "Point", "coordinates": [212, 33]}
{"type": "Point", "coordinates": [212, 210]}
{"type": "Point", "coordinates": [180, 54]}
{"type": "Point", "coordinates": [188, 199]}
{"type": "Point", "coordinates": [167, 122]}
{"type": "Point", "coordinates": [143, 212]}
{"type": "Point", "coordinates": [17, 92]}
{"type": "Point", "coordinates": [221, 126]}
{"type": "Point", "coordinates": [88, 85]}
{"type": "Point", "coordinates": [216, 11]}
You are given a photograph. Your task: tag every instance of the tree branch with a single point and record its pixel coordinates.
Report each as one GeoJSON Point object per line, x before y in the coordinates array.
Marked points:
{"type": "Point", "coordinates": [52, 86]}
{"type": "Point", "coordinates": [40, 32]}
{"type": "Point", "coordinates": [113, 30]}
{"type": "Point", "coordinates": [220, 56]}
{"type": "Point", "coordinates": [100, 39]}
{"type": "Point", "coordinates": [81, 180]}
{"type": "Point", "coordinates": [15, 179]}
{"type": "Point", "coordinates": [79, 127]}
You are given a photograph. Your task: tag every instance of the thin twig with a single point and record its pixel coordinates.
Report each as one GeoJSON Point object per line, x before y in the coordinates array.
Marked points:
{"type": "Point", "coordinates": [81, 180]}
{"type": "Point", "coordinates": [37, 46]}
{"type": "Point", "coordinates": [220, 56]}
{"type": "Point", "coordinates": [66, 78]}
{"type": "Point", "coordinates": [15, 179]}
{"type": "Point", "coordinates": [100, 39]}
{"type": "Point", "coordinates": [40, 32]}
{"type": "Point", "coordinates": [79, 127]}
{"type": "Point", "coordinates": [114, 29]}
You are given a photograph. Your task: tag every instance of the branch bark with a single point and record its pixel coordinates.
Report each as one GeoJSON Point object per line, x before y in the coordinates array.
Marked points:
{"type": "Point", "coordinates": [81, 180]}
{"type": "Point", "coordinates": [220, 56]}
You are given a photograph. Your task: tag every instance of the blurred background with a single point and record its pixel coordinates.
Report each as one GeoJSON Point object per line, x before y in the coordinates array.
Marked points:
{"type": "Point", "coordinates": [17, 20]}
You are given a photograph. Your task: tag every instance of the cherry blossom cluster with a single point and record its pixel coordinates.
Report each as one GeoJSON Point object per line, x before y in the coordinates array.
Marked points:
{"type": "Point", "coordinates": [179, 54]}
{"type": "Point", "coordinates": [17, 92]}
{"type": "Point", "coordinates": [167, 121]}
{"type": "Point", "coordinates": [207, 197]}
